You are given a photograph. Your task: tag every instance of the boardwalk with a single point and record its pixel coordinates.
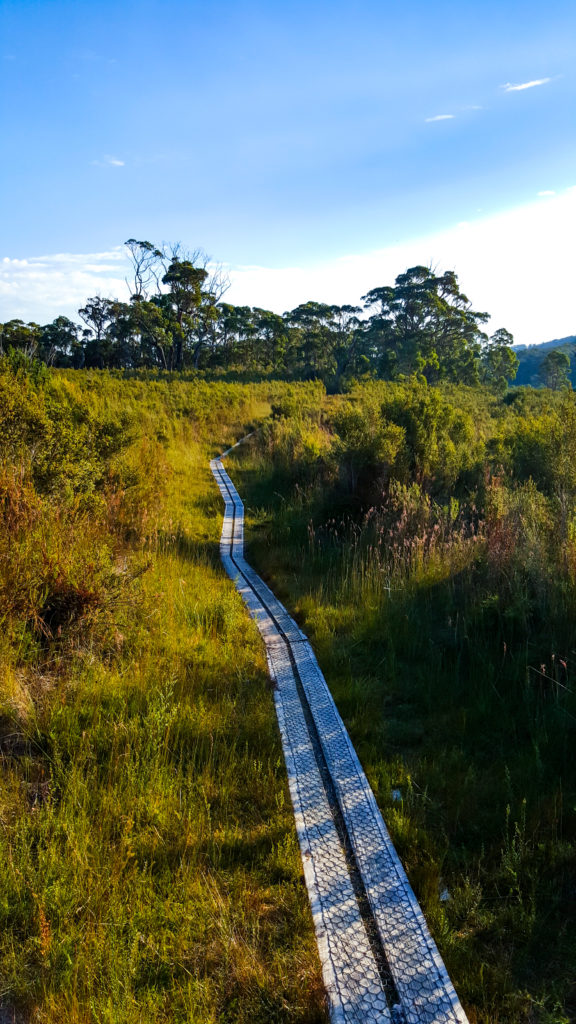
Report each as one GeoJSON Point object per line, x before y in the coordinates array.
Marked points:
{"type": "Point", "coordinates": [379, 961]}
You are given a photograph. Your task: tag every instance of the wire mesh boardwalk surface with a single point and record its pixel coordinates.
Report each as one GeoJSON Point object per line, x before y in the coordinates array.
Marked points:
{"type": "Point", "coordinates": [379, 961]}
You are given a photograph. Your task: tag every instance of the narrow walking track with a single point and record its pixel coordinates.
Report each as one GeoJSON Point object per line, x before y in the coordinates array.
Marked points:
{"type": "Point", "coordinates": [379, 961]}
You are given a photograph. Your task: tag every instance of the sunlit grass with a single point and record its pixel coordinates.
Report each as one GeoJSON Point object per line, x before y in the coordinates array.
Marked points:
{"type": "Point", "coordinates": [149, 868]}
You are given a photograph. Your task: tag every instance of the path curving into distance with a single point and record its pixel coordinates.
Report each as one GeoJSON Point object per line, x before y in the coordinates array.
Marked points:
{"type": "Point", "coordinates": [379, 961]}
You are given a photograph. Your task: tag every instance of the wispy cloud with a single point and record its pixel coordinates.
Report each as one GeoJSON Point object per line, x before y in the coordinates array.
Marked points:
{"type": "Point", "coordinates": [546, 192]}
{"type": "Point", "coordinates": [109, 161]}
{"type": "Point", "coordinates": [510, 87]}
{"type": "Point", "coordinates": [440, 117]}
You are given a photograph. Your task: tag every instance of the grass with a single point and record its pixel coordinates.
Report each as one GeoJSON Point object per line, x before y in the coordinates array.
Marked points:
{"type": "Point", "coordinates": [149, 868]}
{"type": "Point", "coordinates": [446, 633]}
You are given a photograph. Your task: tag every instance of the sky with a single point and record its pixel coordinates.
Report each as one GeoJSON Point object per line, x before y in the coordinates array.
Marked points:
{"type": "Point", "coordinates": [315, 149]}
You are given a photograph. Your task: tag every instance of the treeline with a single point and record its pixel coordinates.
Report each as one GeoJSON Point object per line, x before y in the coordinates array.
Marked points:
{"type": "Point", "coordinates": [176, 320]}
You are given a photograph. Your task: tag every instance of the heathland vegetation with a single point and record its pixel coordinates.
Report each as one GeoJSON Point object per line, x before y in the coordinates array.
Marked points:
{"type": "Point", "coordinates": [419, 520]}
{"type": "Point", "coordinates": [149, 869]}
{"type": "Point", "coordinates": [425, 538]}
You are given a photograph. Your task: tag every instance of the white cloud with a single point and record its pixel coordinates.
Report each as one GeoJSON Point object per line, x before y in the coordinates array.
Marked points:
{"type": "Point", "coordinates": [546, 192]}
{"type": "Point", "coordinates": [515, 265]}
{"type": "Point", "coordinates": [42, 287]}
{"type": "Point", "coordinates": [440, 117]}
{"type": "Point", "coordinates": [509, 87]}
{"type": "Point", "coordinates": [102, 260]}
{"type": "Point", "coordinates": [109, 161]}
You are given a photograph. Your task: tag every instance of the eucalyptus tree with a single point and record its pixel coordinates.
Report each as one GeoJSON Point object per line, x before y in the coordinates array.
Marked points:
{"type": "Point", "coordinates": [239, 328]}
{"type": "Point", "coordinates": [498, 360]}
{"type": "Point", "coordinates": [425, 324]}
{"type": "Point", "coordinates": [60, 343]}
{"type": "Point", "coordinates": [104, 326]}
{"type": "Point", "coordinates": [252, 338]}
{"type": "Point", "coordinates": [151, 328]}
{"type": "Point", "coordinates": [230, 329]}
{"type": "Point", "coordinates": [175, 293]}
{"type": "Point", "coordinates": [20, 336]}
{"type": "Point", "coordinates": [274, 341]}
{"type": "Point", "coordinates": [347, 342]}
{"type": "Point", "coordinates": [554, 370]}
{"type": "Point", "coordinates": [313, 324]}
{"type": "Point", "coordinates": [98, 314]}
{"type": "Point", "coordinates": [148, 265]}
{"type": "Point", "coordinates": [192, 310]}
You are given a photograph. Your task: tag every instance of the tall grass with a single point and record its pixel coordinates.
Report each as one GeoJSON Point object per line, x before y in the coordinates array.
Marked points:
{"type": "Point", "coordinates": [442, 604]}
{"type": "Point", "coordinates": [149, 868]}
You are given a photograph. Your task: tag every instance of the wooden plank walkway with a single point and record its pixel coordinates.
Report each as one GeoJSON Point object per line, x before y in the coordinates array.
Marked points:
{"type": "Point", "coordinates": [379, 961]}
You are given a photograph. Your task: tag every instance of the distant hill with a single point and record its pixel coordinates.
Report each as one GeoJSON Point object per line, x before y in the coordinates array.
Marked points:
{"type": "Point", "coordinates": [531, 356]}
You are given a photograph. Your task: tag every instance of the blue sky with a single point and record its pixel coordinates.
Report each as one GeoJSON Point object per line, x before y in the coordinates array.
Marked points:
{"type": "Point", "coordinates": [282, 136]}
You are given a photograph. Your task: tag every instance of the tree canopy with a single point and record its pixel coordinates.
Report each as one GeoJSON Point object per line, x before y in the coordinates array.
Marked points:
{"type": "Point", "coordinates": [177, 319]}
